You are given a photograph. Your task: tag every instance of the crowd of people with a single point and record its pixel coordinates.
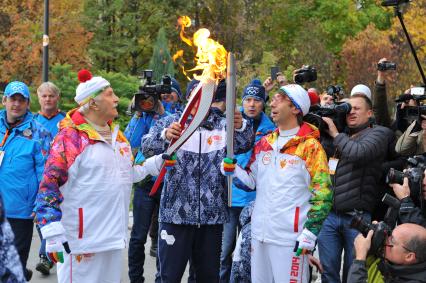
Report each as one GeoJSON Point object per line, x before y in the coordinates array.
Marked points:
{"type": "Point", "coordinates": [296, 186]}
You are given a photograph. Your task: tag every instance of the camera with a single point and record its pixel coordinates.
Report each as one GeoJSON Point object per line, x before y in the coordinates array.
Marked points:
{"type": "Point", "coordinates": [337, 112]}
{"type": "Point", "coordinates": [382, 229]}
{"type": "Point", "coordinates": [386, 65]}
{"type": "Point", "coordinates": [415, 174]}
{"type": "Point", "coordinates": [335, 91]}
{"type": "Point", "coordinates": [149, 93]}
{"type": "Point", "coordinates": [390, 3]}
{"type": "Point", "coordinates": [412, 113]}
{"type": "Point", "coordinates": [305, 74]}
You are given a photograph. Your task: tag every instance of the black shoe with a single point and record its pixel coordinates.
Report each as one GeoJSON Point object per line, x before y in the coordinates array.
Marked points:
{"type": "Point", "coordinates": [44, 266]}
{"type": "Point", "coordinates": [28, 274]}
{"type": "Point", "coordinates": [153, 249]}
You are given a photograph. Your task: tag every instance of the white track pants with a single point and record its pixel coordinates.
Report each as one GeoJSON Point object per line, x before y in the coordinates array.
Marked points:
{"type": "Point", "coordinates": [102, 267]}
{"type": "Point", "coordinates": [278, 264]}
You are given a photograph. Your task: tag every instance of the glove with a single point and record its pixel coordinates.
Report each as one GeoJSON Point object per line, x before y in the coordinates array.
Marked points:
{"type": "Point", "coordinates": [55, 247]}
{"type": "Point", "coordinates": [228, 166]}
{"type": "Point", "coordinates": [169, 161]}
{"type": "Point", "coordinates": [305, 242]}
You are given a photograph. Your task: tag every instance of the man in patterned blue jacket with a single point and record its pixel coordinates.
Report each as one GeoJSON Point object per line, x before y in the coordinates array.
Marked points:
{"type": "Point", "coordinates": [254, 99]}
{"type": "Point", "coordinates": [193, 206]}
{"type": "Point", "coordinates": [24, 144]}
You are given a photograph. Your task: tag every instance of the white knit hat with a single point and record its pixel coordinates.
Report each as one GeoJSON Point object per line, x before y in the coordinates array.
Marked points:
{"type": "Point", "coordinates": [89, 86]}
{"type": "Point", "coordinates": [298, 96]}
{"type": "Point", "coordinates": [361, 89]}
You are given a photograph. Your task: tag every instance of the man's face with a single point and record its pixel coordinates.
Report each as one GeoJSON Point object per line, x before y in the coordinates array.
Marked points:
{"type": "Point", "coordinates": [107, 104]}
{"type": "Point", "coordinates": [16, 106]}
{"type": "Point", "coordinates": [326, 100]}
{"type": "Point", "coordinates": [252, 107]}
{"type": "Point", "coordinates": [48, 100]}
{"type": "Point", "coordinates": [282, 108]}
{"type": "Point", "coordinates": [170, 97]}
{"type": "Point", "coordinates": [395, 248]}
{"type": "Point", "coordinates": [360, 113]}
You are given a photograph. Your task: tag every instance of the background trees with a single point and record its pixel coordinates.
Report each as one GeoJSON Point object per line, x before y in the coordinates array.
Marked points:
{"type": "Point", "coordinates": [119, 38]}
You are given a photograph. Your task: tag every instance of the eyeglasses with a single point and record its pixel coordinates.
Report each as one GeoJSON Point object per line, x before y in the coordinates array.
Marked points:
{"type": "Point", "coordinates": [391, 243]}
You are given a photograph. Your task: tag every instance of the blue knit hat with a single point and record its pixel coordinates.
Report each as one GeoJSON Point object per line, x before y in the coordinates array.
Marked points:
{"type": "Point", "coordinates": [256, 90]}
{"type": "Point", "coordinates": [176, 88]}
{"type": "Point", "coordinates": [17, 87]}
{"type": "Point", "coordinates": [190, 87]}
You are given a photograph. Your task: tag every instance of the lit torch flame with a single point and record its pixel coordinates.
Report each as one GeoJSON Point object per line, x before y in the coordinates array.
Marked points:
{"type": "Point", "coordinates": [211, 55]}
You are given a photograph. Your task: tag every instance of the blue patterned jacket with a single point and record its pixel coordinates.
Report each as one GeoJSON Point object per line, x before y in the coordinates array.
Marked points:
{"type": "Point", "coordinates": [194, 191]}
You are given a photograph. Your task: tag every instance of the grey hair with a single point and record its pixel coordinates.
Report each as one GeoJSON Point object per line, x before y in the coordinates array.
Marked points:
{"type": "Point", "coordinates": [417, 244]}
{"type": "Point", "coordinates": [84, 109]}
{"type": "Point", "coordinates": [50, 87]}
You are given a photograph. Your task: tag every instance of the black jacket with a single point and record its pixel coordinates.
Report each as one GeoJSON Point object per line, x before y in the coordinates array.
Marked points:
{"type": "Point", "coordinates": [359, 171]}
{"type": "Point", "coordinates": [410, 213]}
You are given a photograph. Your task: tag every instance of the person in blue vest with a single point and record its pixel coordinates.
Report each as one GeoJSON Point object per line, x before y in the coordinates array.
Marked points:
{"type": "Point", "coordinates": [145, 208]}
{"type": "Point", "coordinates": [254, 99]}
{"type": "Point", "coordinates": [24, 144]}
{"type": "Point", "coordinates": [49, 115]}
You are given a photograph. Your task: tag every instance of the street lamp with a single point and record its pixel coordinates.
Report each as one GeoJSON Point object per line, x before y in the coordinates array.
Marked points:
{"type": "Point", "coordinates": [46, 42]}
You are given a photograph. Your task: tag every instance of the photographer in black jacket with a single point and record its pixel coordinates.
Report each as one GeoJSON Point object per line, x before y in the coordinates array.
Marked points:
{"type": "Point", "coordinates": [404, 258]}
{"type": "Point", "coordinates": [409, 212]}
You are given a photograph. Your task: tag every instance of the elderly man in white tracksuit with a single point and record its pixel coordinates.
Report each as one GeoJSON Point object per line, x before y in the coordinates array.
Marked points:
{"type": "Point", "coordinates": [289, 170]}
{"type": "Point", "coordinates": [84, 196]}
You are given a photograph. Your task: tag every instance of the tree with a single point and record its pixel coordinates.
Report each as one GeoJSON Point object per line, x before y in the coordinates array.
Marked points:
{"type": "Point", "coordinates": [161, 62]}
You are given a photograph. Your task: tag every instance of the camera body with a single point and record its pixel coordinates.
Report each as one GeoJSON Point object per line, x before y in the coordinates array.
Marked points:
{"type": "Point", "coordinates": [149, 93]}
{"type": "Point", "coordinates": [386, 65]}
{"type": "Point", "coordinates": [336, 91]}
{"type": "Point", "coordinates": [412, 113]}
{"type": "Point", "coordinates": [415, 175]}
{"type": "Point", "coordinates": [382, 229]}
{"type": "Point", "coordinates": [337, 112]}
{"type": "Point", "coordinates": [305, 74]}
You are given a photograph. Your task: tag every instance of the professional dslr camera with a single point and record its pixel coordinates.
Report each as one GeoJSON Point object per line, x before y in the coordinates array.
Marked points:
{"type": "Point", "coordinates": [382, 229]}
{"type": "Point", "coordinates": [305, 74]}
{"type": "Point", "coordinates": [415, 174]}
{"type": "Point", "coordinates": [149, 93]}
{"type": "Point", "coordinates": [337, 112]}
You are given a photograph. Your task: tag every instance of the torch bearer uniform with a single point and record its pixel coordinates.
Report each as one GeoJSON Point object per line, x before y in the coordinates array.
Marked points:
{"type": "Point", "coordinates": [84, 195]}
{"type": "Point", "coordinates": [290, 173]}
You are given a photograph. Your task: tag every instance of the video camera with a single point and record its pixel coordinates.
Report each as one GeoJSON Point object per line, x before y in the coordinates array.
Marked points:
{"type": "Point", "coordinates": [412, 113]}
{"type": "Point", "coordinates": [336, 91]}
{"type": "Point", "coordinates": [305, 74]}
{"type": "Point", "coordinates": [382, 229]}
{"type": "Point", "coordinates": [415, 174]}
{"type": "Point", "coordinates": [149, 93]}
{"type": "Point", "coordinates": [337, 112]}
{"type": "Point", "coordinates": [386, 65]}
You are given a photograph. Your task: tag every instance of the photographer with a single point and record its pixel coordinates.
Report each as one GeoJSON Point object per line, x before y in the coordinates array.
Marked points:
{"type": "Point", "coordinates": [404, 257]}
{"type": "Point", "coordinates": [144, 206]}
{"type": "Point", "coordinates": [356, 170]}
{"type": "Point", "coordinates": [408, 212]}
{"type": "Point", "coordinates": [380, 103]}
{"type": "Point", "coordinates": [412, 140]}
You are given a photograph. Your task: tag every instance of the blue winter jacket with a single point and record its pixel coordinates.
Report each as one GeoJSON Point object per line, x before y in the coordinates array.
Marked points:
{"type": "Point", "coordinates": [139, 125]}
{"type": "Point", "coordinates": [21, 170]}
{"type": "Point", "coordinates": [194, 191]}
{"type": "Point", "coordinates": [240, 196]}
{"type": "Point", "coordinates": [51, 124]}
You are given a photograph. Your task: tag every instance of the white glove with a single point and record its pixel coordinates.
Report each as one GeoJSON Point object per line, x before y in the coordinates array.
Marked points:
{"type": "Point", "coordinates": [305, 241]}
{"type": "Point", "coordinates": [55, 247]}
